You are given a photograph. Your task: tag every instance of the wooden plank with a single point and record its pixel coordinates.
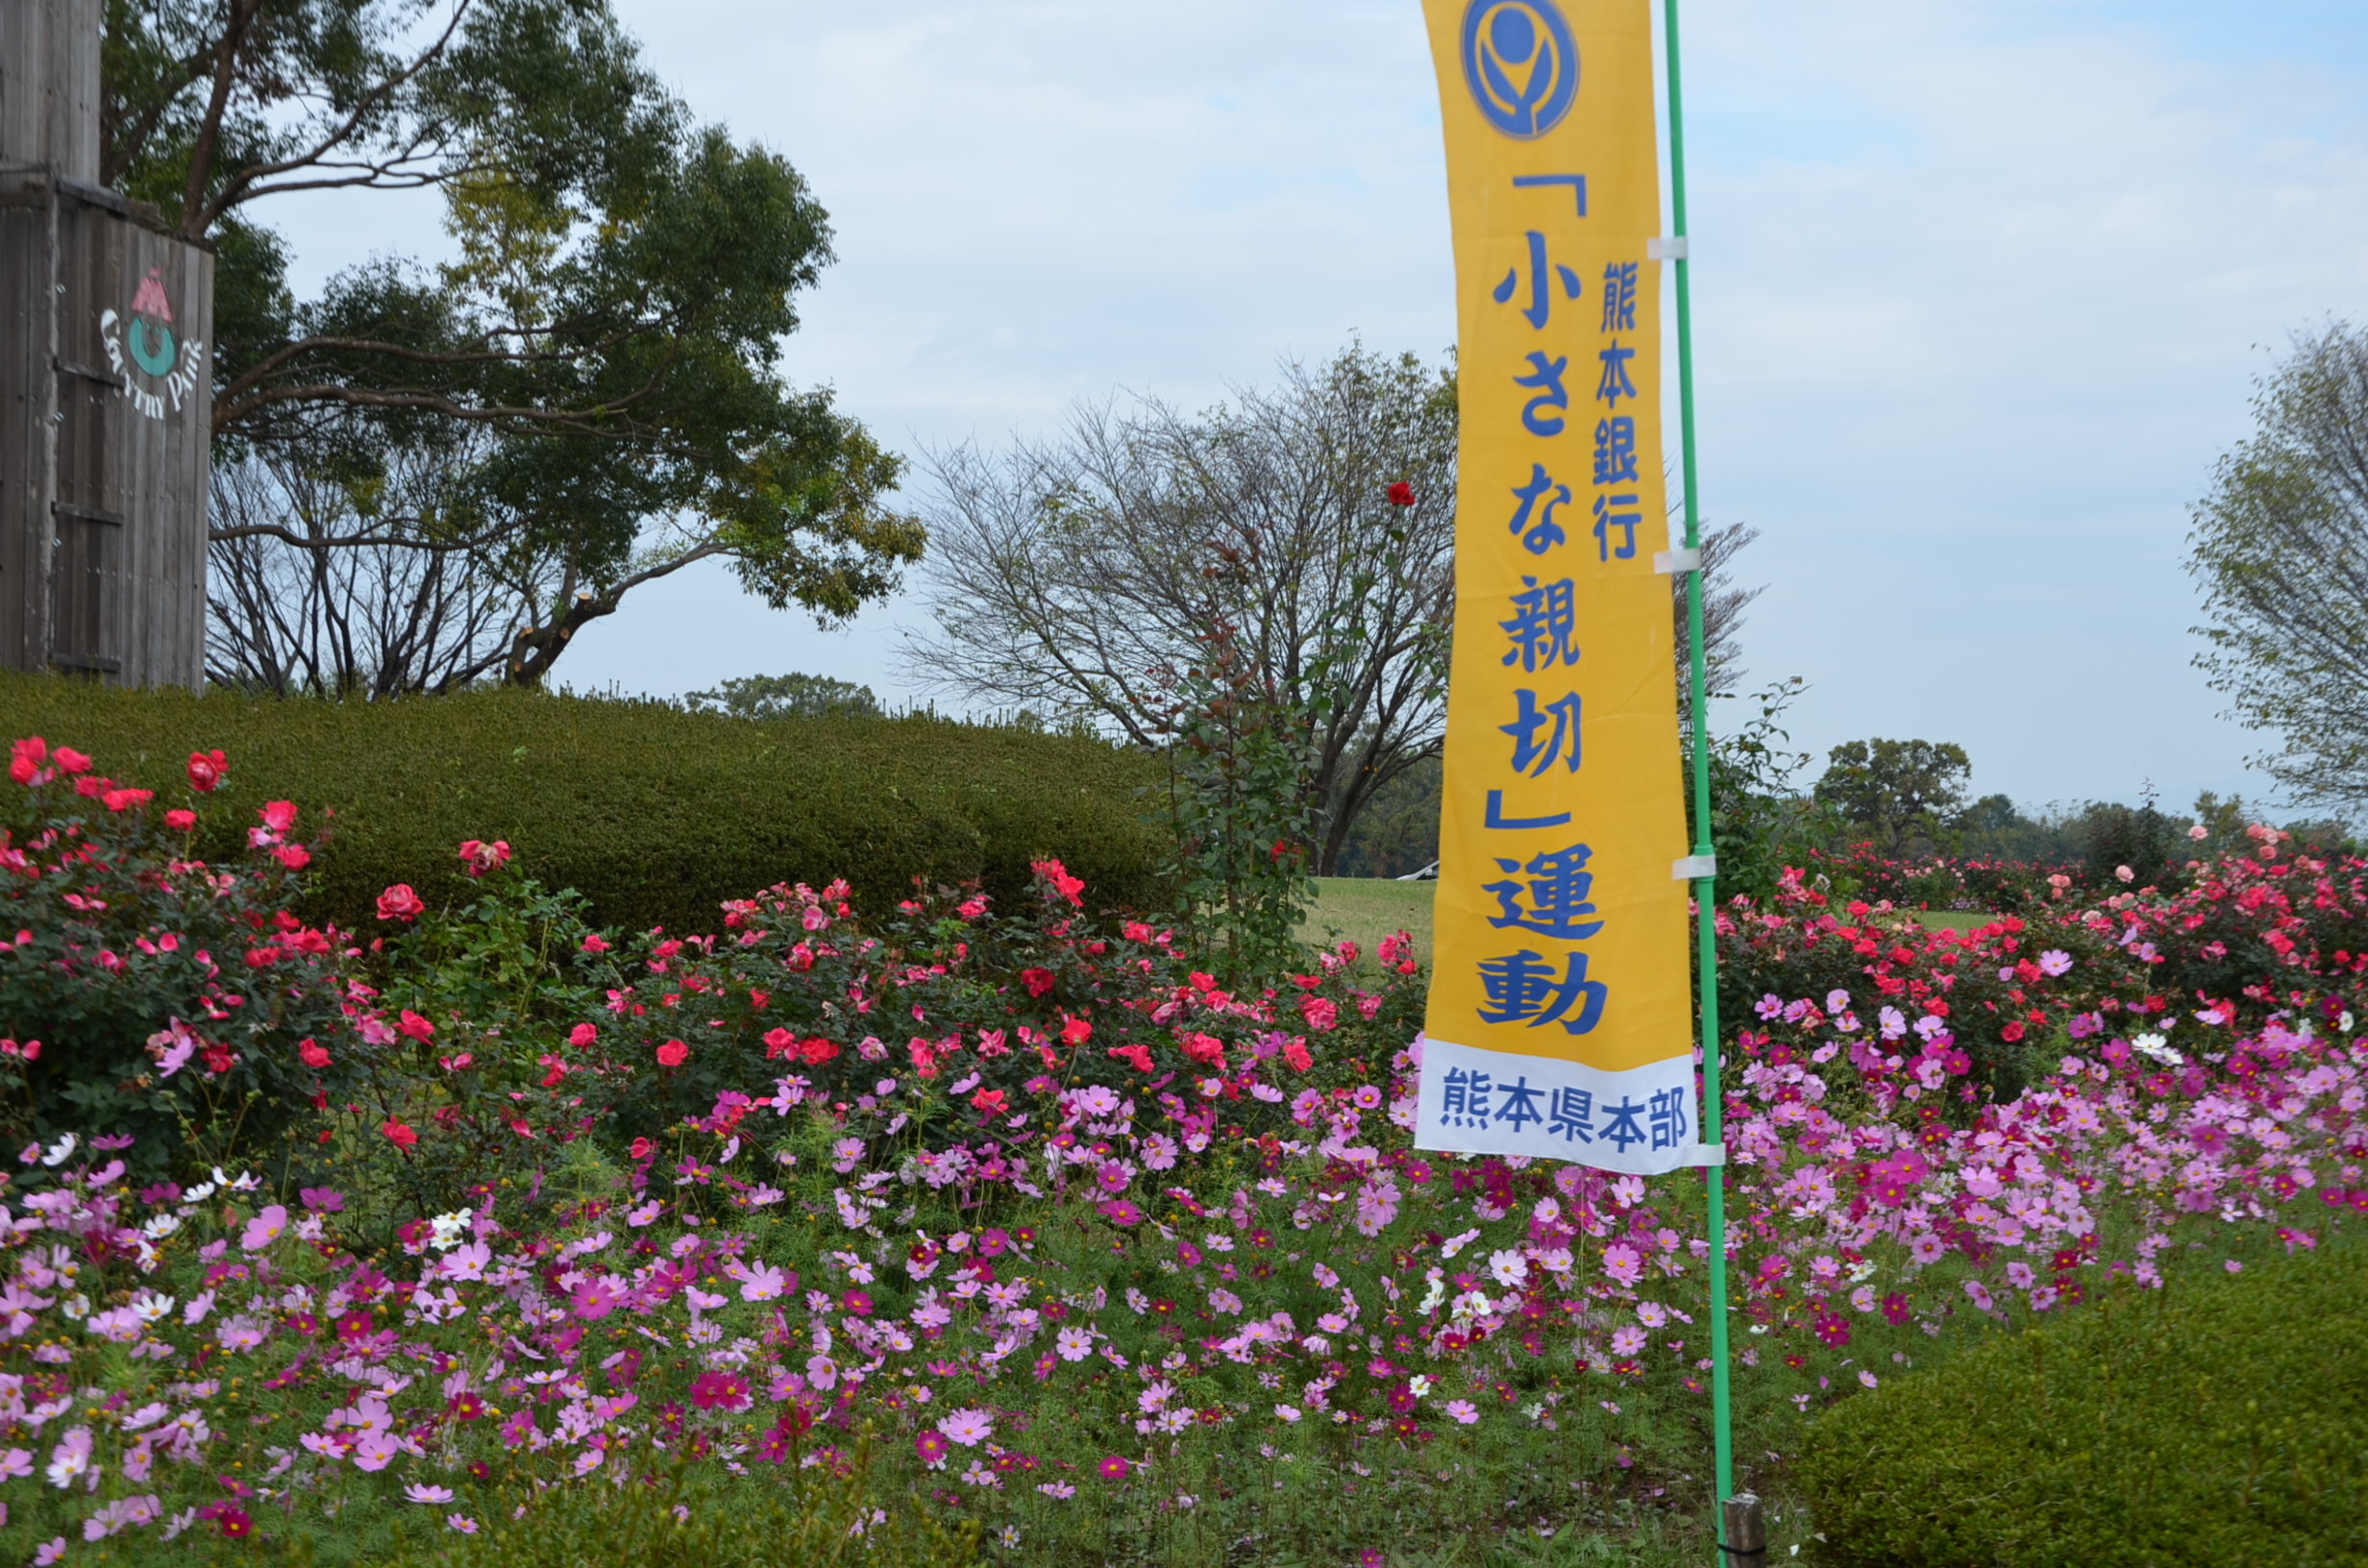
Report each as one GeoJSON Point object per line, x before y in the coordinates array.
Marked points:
{"type": "Point", "coordinates": [138, 303]}
{"type": "Point", "coordinates": [49, 85]}
{"type": "Point", "coordinates": [24, 335]}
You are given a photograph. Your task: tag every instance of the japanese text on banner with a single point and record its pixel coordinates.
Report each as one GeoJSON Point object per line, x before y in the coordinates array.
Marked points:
{"type": "Point", "coordinates": [1560, 1010]}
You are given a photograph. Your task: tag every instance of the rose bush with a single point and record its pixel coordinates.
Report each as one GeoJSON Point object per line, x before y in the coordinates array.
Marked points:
{"type": "Point", "coordinates": [145, 992]}
{"type": "Point", "coordinates": [1096, 1255]}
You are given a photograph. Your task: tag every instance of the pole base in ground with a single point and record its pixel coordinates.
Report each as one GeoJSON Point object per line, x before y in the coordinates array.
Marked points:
{"type": "Point", "coordinates": [1744, 1532]}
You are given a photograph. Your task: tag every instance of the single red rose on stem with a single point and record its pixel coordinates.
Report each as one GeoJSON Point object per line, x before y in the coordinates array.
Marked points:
{"type": "Point", "coordinates": [1401, 494]}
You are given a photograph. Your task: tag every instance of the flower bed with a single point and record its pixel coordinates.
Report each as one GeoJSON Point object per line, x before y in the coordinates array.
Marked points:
{"type": "Point", "coordinates": [1027, 1226]}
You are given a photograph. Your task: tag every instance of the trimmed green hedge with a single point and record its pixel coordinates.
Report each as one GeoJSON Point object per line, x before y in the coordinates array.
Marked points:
{"type": "Point", "coordinates": [2223, 1420]}
{"type": "Point", "coordinates": [655, 815]}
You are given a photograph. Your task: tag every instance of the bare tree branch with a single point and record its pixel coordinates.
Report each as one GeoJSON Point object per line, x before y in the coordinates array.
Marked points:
{"type": "Point", "coordinates": [1070, 574]}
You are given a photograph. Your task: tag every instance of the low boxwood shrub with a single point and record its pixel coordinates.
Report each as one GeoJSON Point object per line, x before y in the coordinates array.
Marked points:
{"type": "Point", "coordinates": [2220, 1420]}
{"type": "Point", "coordinates": [655, 815]}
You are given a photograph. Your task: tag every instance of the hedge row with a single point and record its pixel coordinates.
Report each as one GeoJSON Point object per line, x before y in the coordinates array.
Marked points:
{"type": "Point", "coordinates": [2219, 1421]}
{"type": "Point", "coordinates": [655, 813]}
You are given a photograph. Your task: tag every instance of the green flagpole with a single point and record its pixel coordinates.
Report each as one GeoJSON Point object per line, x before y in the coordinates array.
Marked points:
{"type": "Point", "coordinates": [1705, 934]}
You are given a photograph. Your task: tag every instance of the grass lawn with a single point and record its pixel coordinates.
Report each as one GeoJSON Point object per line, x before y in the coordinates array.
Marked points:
{"type": "Point", "coordinates": [1365, 909]}
{"type": "Point", "coordinates": [1953, 919]}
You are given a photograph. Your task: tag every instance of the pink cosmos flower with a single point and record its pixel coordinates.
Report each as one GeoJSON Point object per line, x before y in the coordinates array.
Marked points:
{"type": "Point", "coordinates": [931, 1447]}
{"type": "Point", "coordinates": [421, 1492]}
{"type": "Point", "coordinates": [968, 1427]}
{"type": "Point", "coordinates": [375, 1450]}
{"type": "Point", "coordinates": [264, 1228]}
{"type": "Point", "coordinates": [1464, 1410]}
{"type": "Point", "coordinates": [1112, 1468]}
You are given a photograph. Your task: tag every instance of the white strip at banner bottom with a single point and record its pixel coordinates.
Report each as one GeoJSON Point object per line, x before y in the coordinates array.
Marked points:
{"type": "Point", "coordinates": [1640, 1123]}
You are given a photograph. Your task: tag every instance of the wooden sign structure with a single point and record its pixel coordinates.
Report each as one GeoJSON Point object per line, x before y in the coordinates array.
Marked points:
{"type": "Point", "coordinates": [106, 383]}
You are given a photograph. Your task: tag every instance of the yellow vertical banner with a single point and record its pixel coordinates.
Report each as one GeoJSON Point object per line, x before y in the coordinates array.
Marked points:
{"type": "Point", "coordinates": [1560, 1014]}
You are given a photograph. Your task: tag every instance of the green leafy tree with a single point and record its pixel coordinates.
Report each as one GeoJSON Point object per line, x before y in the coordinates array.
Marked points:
{"type": "Point", "coordinates": [1895, 791]}
{"type": "Point", "coordinates": [786, 697]}
{"type": "Point", "coordinates": [589, 387]}
{"type": "Point", "coordinates": [2279, 550]}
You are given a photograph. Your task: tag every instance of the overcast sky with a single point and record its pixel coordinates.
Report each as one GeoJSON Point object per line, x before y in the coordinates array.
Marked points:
{"type": "Point", "coordinates": [1981, 289]}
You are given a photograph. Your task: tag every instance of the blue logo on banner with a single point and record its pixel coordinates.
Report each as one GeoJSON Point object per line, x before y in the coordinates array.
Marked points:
{"type": "Point", "coordinates": [1520, 65]}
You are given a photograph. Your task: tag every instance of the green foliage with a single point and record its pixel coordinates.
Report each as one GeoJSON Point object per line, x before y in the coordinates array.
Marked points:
{"type": "Point", "coordinates": [2221, 1421]}
{"type": "Point", "coordinates": [779, 1517]}
{"type": "Point", "coordinates": [2145, 841]}
{"type": "Point", "coordinates": [2281, 556]}
{"type": "Point", "coordinates": [1397, 832]}
{"type": "Point", "coordinates": [1240, 801]}
{"type": "Point", "coordinates": [785, 697]}
{"type": "Point", "coordinates": [146, 995]}
{"type": "Point", "coordinates": [595, 370]}
{"type": "Point", "coordinates": [1760, 825]}
{"type": "Point", "coordinates": [1897, 790]}
{"type": "Point", "coordinates": [655, 815]}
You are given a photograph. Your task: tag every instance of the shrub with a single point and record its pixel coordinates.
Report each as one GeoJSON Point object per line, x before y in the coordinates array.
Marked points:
{"type": "Point", "coordinates": [655, 815]}
{"type": "Point", "coordinates": [2223, 1421]}
{"type": "Point", "coordinates": [531, 1028]}
{"type": "Point", "coordinates": [148, 992]}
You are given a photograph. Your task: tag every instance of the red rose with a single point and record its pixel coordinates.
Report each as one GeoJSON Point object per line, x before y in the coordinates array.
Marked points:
{"type": "Point", "coordinates": [1036, 981]}
{"type": "Point", "coordinates": [181, 821]}
{"type": "Point", "coordinates": [988, 1102]}
{"type": "Point", "coordinates": [642, 1148]}
{"type": "Point", "coordinates": [25, 759]}
{"type": "Point", "coordinates": [1401, 494]}
{"type": "Point", "coordinates": [477, 857]}
{"type": "Point", "coordinates": [415, 1027]}
{"type": "Point", "coordinates": [71, 761]}
{"type": "Point", "coordinates": [673, 1054]}
{"type": "Point", "coordinates": [400, 903]}
{"type": "Point", "coordinates": [206, 770]}
{"type": "Point", "coordinates": [311, 1054]}
{"type": "Point", "coordinates": [399, 1135]}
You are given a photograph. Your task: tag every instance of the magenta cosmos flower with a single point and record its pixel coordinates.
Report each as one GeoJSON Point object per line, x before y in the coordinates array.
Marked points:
{"type": "Point", "coordinates": [931, 1446]}
{"type": "Point", "coordinates": [1114, 1468]}
{"type": "Point", "coordinates": [719, 1390]}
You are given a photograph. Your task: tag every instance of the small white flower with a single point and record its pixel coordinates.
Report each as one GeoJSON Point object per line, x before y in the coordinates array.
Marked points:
{"type": "Point", "coordinates": [57, 1152]}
